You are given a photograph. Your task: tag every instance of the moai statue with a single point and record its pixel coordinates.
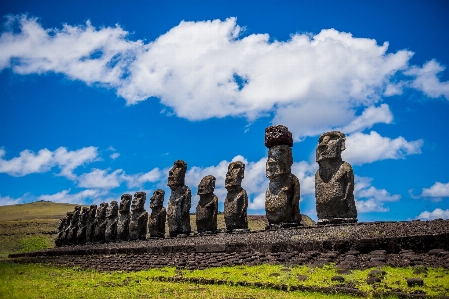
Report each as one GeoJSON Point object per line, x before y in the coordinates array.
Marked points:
{"type": "Point", "coordinates": [282, 195]}
{"type": "Point", "coordinates": [156, 224]}
{"type": "Point", "coordinates": [90, 227]}
{"type": "Point", "coordinates": [73, 229]}
{"type": "Point", "coordinates": [178, 214]}
{"type": "Point", "coordinates": [207, 208]}
{"type": "Point", "coordinates": [139, 217]}
{"type": "Point", "coordinates": [82, 226]}
{"type": "Point", "coordinates": [334, 181]}
{"type": "Point", "coordinates": [111, 223]}
{"type": "Point", "coordinates": [236, 202]}
{"type": "Point", "coordinates": [124, 218]}
{"type": "Point", "coordinates": [63, 225]}
{"type": "Point", "coordinates": [65, 238]}
{"type": "Point", "coordinates": [100, 223]}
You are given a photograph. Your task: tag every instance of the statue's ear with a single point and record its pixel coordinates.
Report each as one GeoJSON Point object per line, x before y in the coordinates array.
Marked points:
{"type": "Point", "coordinates": [342, 146]}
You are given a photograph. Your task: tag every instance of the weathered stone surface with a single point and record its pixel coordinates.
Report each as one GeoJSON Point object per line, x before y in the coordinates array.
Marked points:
{"type": "Point", "coordinates": [334, 181]}
{"type": "Point", "coordinates": [207, 208]}
{"type": "Point", "coordinates": [282, 195]}
{"type": "Point", "coordinates": [63, 228]}
{"type": "Point", "coordinates": [236, 202]}
{"type": "Point", "coordinates": [82, 226]}
{"type": "Point", "coordinates": [124, 218]}
{"type": "Point", "coordinates": [178, 214]}
{"type": "Point", "coordinates": [90, 226]}
{"type": "Point", "coordinates": [112, 220]}
{"type": "Point", "coordinates": [100, 223]}
{"type": "Point", "coordinates": [73, 229]}
{"type": "Point", "coordinates": [278, 135]}
{"type": "Point", "coordinates": [156, 224]}
{"type": "Point", "coordinates": [139, 217]}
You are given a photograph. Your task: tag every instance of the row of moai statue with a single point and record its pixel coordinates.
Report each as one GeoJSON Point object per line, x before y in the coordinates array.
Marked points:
{"type": "Point", "coordinates": [334, 192]}
{"type": "Point", "coordinates": [109, 222]}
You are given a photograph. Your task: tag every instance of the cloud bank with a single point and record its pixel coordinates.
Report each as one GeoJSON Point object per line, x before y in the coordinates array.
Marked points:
{"type": "Point", "coordinates": [207, 69]}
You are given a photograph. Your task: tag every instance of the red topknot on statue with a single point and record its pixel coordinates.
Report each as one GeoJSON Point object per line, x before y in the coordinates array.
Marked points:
{"type": "Point", "coordinates": [278, 135]}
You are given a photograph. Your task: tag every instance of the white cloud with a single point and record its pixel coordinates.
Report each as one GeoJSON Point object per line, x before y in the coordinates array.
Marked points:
{"type": "Point", "coordinates": [77, 198]}
{"type": "Point", "coordinates": [29, 162]}
{"type": "Point", "coordinates": [368, 118]}
{"type": "Point", "coordinates": [201, 70]}
{"type": "Point", "coordinates": [373, 198]}
{"type": "Point", "coordinates": [102, 178]}
{"type": "Point", "coordinates": [427, 81]}
{"type": "Point", "coordinates": [114, 156]}
{"type": "Point", "coordinates": [8, 200]}
{"type": "Point", "coordinates": [435, 214]}
{"type": "Point", "coordinates": [438, 190]}
{"type": "Point", "coordinates": [367, 148]}
{"type": "Point", "coordinates": [99, 178]}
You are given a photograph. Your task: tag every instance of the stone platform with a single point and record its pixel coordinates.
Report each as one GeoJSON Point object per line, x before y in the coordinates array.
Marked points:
{"type": "Point", "coordinates": [419, 236]}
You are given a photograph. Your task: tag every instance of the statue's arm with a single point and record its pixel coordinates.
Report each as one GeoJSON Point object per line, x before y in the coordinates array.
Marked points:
{"type": "Point", "coordinates": [245, 202]}
{"type": "Point", "coordinates": [349, 181]}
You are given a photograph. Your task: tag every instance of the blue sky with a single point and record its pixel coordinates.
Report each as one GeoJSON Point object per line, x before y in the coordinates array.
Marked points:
{"type": "Point", "coordinates": [100, 98]}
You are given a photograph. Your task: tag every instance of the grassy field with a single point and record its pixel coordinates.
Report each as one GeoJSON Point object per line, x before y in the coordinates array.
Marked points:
{"type": "Point", "coordinates": [31, 227]}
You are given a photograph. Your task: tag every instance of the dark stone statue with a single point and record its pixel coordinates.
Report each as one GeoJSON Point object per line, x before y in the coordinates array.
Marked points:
{"type": "Point", "coordinates": [73, 229]}
{"type": "Point", "coordinates": [63, 228]}
{"type": "Point", "coordinates": [124, 218]}
{"type": "Point", "coordinates": [100, 223]}
{"type": "Point", "coordinates": [139, 217]}
{"type": "Point", "coordinates": [282, 195]}
{"type": "Point", "coordinates": [156, 224]}
{"type": "Point", "coordinates": [178, 214]}
{"type": "Point", "coordinates": [90, 226]}
{"type": "Point", "coordinates": [207, 208]}
{"type": "Point", "coordinates": [111, 223]}
{"type": "Point", "coordinates": [82, 226]}
{"type": "Point", "coordinates": [334, 181]}
{"type": "Point", "coordinates": [236, 202]}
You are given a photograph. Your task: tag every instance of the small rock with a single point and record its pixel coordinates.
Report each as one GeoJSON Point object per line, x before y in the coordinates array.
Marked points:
{"type": "Point", "coordinates": [338, 278]}
{"type": "Point", "coordinates": [373, 280]}
{"type": "Point", "coordinates": [302, 277]}
{"type": "Point", "coordinates": [344, 271]}
{"type": "Point", "coordinates": [377, 273]}
{"type": "Point", "coordinates": [415, 282]}
{"type": "Point", "coordinates": [274, 275]}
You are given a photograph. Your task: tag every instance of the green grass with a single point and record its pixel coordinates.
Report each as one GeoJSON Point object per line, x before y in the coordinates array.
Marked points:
{"type": "Point", "coordinates": [37, 281]}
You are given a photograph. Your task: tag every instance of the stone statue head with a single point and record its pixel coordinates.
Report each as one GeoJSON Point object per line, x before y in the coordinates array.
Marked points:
{"type": "Point", "coordinates": [112, 210]}
{"type": "Point", "coordinates": [177, 174]}
{"type": "Point", "coordinates": [83, 215]}
{"type": "Point", "coordinates": [91, 212]}
{"type": "Point", "coordinates": [125, 203]}
{"type": "Point", "coordinates": [68, 217]}
{"type": "Point", "coordinates": [235, 174]}
{"type": "Point", "coordinates": [157, 200]}
{"type": "Point", "coordinates": [279, 161]}
{"type": "Point", "coordinates": [138, 202]}
{"type": "Point", "coordinates": [207, 185]}
{"type": "Point", "coordinates": [330, 145]}
{"type": "Point", "coordinates": [101, 210]}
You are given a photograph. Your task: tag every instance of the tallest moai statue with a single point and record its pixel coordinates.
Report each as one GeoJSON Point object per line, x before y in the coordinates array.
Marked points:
{"type": "Point", "coordinates": [334, 181]}
{"type": "Point", "coordinates": [282, 195]}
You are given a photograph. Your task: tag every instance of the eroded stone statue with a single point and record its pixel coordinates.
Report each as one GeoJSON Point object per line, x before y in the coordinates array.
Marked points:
{"type": "Point", "coordinates": [90, 227]}
{"type": "Point", "coordinates": [178, 214]}
{"type": "Point", "coordinates": [207, 208]}
{"type": "Point", "coordinates": [111, 223]}
{"type": "Point", "coordinates": [282, 195]}
{"type": "Point", "coordinates": [139, 217]}
{"type": "Point", "coordinates": [100, 222]}
{"type": "Point", "coordinates": [63, 228]}
{"type": "Point", "coordinates": [236, 202]}
{"type": "Point", "coordinates": [82, 226]}
{"type": "Point", "coordinates": [124, 218]}
{"type": "Point", "coordinates": [334, 181]}
{"type": "Point", "coordinates": [156, 223]}
{"type": "Point", "coordinates": [73, 229]}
